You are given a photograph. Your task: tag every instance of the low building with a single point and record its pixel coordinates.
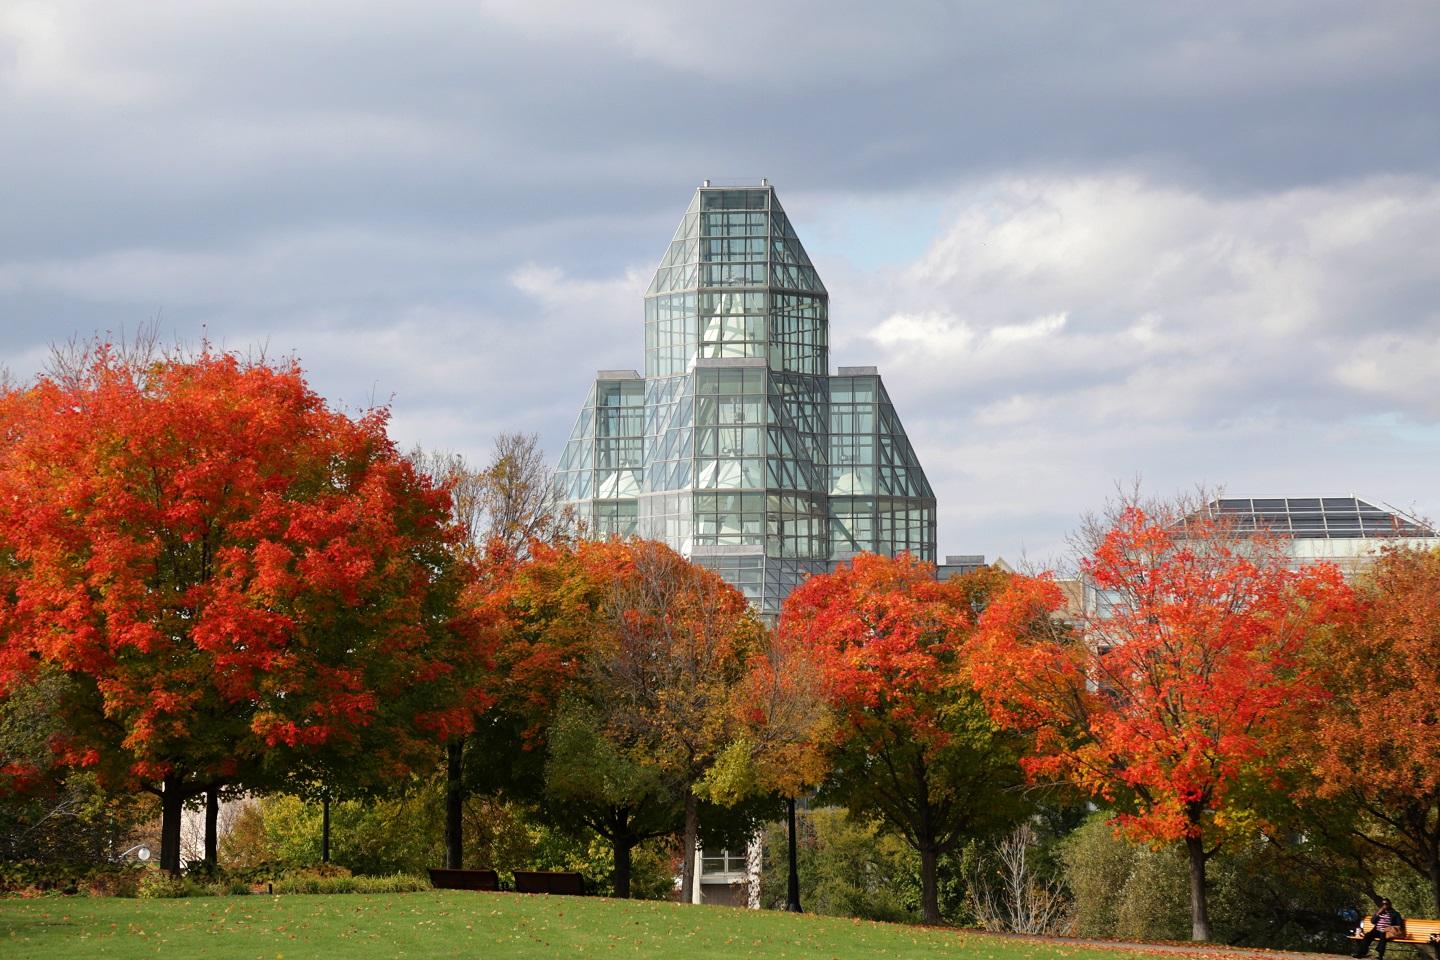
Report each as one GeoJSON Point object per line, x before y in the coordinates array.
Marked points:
{"type": "Point", "coordinates": [1346, 531]}
{"type": "Point", "coordinates": [958, 564]}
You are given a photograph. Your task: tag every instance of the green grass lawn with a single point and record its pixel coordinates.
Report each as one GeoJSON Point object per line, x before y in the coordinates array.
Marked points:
{"type": "Point", "coordinates": [463, 924]}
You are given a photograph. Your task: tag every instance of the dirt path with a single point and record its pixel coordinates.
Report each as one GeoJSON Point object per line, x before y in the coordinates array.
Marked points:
{"type": "Point", "coordinates": [1188, 949]}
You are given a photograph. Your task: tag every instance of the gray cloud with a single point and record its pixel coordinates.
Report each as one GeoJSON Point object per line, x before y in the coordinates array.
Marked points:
{"type": "Point", "coordinates": [1186, 240]}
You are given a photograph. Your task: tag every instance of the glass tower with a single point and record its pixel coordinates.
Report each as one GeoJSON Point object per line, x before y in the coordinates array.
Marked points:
{"type": "Point", "coordinates": [738, 447]}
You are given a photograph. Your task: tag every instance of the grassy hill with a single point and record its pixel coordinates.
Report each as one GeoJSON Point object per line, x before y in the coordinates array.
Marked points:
{"type": "Point", "coordinates": [462, 924]}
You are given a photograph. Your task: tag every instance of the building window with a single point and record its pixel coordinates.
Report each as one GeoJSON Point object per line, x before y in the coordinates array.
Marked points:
{"type": "Point", "coordinates": [723, 863]}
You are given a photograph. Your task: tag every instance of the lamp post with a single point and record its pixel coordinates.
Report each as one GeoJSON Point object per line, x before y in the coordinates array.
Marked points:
{"type": "Point", "coordinates": [792, 887]}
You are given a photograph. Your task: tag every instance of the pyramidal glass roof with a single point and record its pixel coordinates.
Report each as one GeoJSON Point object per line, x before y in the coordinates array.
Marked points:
{"type": "Point", "coordinates": [735, 237]}
{"type": "Point", "coordinates": [1321, 518]}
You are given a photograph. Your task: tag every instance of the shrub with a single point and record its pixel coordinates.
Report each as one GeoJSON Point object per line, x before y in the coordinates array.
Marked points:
{"type": "Point", "coordinates": [399, 883]}
{"type": "Point", "coordinates": [1008, 889]}
{"type": "Point", "coordinates": [107, 879]}
{"type": "Point", "coordinates": [848, 868]}
{"type": "Point", "coordinates": [394, 835]}
{"type": "Point", "coordinates": [652, 863]}
{"type": "Point", "coordinates": [325, 870]}
{"type": "Point", "coordinates": [161, 885]}
{"type": "Point", "coordinates": [1122, 889]}
{"type": "Point", "coordinates": [124, 882]}
{"type": "Point", "coordinates": [139, 880]}
{"type": "Point", "coordinates": [308, 882]}
{"type": "Point", "coordinates": [1261, 894]}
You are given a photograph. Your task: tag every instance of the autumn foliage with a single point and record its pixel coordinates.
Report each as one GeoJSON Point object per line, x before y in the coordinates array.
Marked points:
{"type": "Point", "coordinates": [1181, 682]}
{"type": "Point", "coordinates": [913, 743]}
{"type": "Point", "coordinates": [209, 579]}
{"type": "Point", "coordinates": [226, 567]}
{"type": "Point", "coordinates": [632, 646]}
{"type": "Point", "coordinates": [1375, 748]}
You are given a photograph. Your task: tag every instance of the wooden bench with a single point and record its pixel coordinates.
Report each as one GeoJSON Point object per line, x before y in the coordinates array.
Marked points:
{"type": "Point", "coordinates": [547, 881]}
{"type": "Point", "coordinates": [1418, 933]}
{"type": "Point", "coordinates": [444, 879]}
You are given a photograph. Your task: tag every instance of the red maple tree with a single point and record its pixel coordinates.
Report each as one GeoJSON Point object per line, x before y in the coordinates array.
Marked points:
{"type": "Point", "coordinates": [914, 746]}
{"type": "Point", "coordinates": [227, 568]}
{"type": "Point", "coordinates": [1178, 680]}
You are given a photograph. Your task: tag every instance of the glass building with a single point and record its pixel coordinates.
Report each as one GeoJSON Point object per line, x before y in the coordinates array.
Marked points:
{"type": "Point", "coordinates": [738, 447]}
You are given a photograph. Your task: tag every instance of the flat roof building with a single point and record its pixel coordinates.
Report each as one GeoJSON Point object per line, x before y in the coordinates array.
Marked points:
{"type": "Point", "coordinates": [1346, 531]}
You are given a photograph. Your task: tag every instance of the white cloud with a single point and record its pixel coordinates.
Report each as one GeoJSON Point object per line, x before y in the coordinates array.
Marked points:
{"type": "Point", "coordinates": [608, 300]}
{"type": "Point", "coordinates": [930, 330]}
{"type": "Point", "coordinates": [1037, 329]}
{"type": "Point", "coordinates": [1061, 333]}
{"type": "Point", "coordinates": [1400, 369]}
{"type": "Point", "coordinates": [51, 56]}
{"type": "Point", "coordinates": [1075, 288]}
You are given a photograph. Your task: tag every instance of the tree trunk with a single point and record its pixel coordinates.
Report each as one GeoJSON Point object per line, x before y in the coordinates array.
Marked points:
{"type": "Point", "coordinates": [622, 844]}
{"type": "Point", "coordinates": [325, 828]}
{"type": "Point", "coordinates": [792, 886]}
{"type": "Point", "coordinates": [689, 842]}
{"type": "Point", "coordinates": [1199, 908]}
{"type": "Point", "coordinates": [929, 882]}
{"type": "Point", "coordinates": [172, 810]}
{"type": "Point", "coordinates": [212, 821]}
{"type": "Point", "coordinates": [454, 804]}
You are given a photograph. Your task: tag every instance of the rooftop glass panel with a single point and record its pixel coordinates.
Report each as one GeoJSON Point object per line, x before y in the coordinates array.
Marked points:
{"type": "Point", "coordinates": [1320, 517]}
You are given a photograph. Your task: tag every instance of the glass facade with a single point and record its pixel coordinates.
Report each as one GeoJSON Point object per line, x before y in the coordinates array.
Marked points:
{"type": "Point", "coordinates": [737, 446]}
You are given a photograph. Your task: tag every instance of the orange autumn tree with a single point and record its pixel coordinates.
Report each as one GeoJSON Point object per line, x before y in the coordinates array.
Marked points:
{"type": "Point", "coordinates": [1375, 750]}
{"type": "Point", "coordinates": [226, 570]}
{"type": "Point", "coordinates": [914, 745]}
{"type": "Point", "coordinates": [675, 651]}
{"type": "Point", "coordinates": [785, 728]}
{"type": "Point", "coordinates": [1177, 688]}
{"type": "Point", "coordinates": [621, 661]}
{"type": "Point", "coordinates": [595, 776]}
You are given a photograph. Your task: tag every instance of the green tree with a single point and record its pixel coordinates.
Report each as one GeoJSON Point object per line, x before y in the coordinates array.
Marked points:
{"type": "Point", "coordinates": [679, 643]}
{"type": "Point", "coordinates": [785, 725]}
{"type": "Point", "coordinates": [607, 787]}
{"type": "Point", "coordinates": [51, 814]}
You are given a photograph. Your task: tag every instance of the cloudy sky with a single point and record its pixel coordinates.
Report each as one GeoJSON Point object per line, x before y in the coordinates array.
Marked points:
{"type": "Point", "coordinates": [1194, 242]}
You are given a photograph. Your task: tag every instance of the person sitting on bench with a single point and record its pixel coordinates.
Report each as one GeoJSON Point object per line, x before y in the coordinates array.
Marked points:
{"type": "Point", "coordinates": [1385, 919]}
